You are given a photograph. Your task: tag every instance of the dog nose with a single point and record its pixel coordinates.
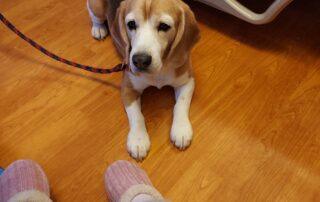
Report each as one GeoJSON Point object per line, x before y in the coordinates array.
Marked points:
{"type": "Point", "coordinates": [141, 60]}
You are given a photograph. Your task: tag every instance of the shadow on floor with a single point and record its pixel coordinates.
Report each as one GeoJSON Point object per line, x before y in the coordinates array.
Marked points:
{"type": "Point", "coordinates": [298, 26]}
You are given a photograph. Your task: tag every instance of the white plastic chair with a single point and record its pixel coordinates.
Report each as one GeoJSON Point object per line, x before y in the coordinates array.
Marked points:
{"type": "Point", "coordinates": [235, 8]}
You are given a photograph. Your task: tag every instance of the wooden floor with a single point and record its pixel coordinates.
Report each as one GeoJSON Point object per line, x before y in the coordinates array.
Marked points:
{"type": "Point", "coordinates": [255, 112]}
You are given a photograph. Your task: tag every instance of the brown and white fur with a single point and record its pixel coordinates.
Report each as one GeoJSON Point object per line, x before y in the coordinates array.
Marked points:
{"type": "Point", "coordinates": [169, 50]}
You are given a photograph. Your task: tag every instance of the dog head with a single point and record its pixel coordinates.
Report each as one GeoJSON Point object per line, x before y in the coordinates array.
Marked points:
{"type": "Point", "coordinates": [156, 33]}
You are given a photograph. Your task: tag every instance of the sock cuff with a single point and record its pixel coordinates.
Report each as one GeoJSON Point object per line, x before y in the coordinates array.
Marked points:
{"type": "Point", "coordinates": [135, 190]}
{"type": "Point", "coordinates": [30, 196]}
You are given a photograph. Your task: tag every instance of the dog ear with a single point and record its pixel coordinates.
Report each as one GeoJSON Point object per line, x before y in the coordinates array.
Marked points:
{"type": "Point", "coordinates": [186, 37]}
{"type": "Point", "coordinates": [120, 24]}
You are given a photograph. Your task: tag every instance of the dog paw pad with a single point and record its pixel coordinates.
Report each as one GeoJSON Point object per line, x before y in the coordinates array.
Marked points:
{"type": "Point", "coordinates": [138, 146]}
{"type": "Point", "coordinates": [181, 135]}
{"type": "Point", "coordinates": [99, 32]}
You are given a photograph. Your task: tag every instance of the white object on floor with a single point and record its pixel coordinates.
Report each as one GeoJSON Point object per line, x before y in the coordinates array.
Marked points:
{"type": "Point", "coordinates": [235, 8]}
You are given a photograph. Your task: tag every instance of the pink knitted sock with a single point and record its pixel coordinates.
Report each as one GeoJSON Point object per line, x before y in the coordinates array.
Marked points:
{"type": "Point", "coordinates": [24, 181]}
{"type": "Point", "coordinates": [124, 181]}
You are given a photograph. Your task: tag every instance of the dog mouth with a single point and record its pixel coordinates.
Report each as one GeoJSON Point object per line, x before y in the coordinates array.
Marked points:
{"type": "Point", "coordinates": [136, 70]}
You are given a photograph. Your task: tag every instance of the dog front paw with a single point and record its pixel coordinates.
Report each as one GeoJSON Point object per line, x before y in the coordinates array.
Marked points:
{"type": "Point", "coordinates": [99, 32]}
{"type": "Point", "coordinates": [138, 144]}
{"type": "Point", "coordinates": [181, 134]}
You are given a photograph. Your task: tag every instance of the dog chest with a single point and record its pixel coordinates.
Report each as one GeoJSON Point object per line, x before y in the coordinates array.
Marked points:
{"type": "Point", "coordinates": [158, 80]}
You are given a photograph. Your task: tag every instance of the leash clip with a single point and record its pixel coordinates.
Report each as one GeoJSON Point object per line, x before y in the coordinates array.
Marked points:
{"type": "Point", "coordinates": [123, 65]}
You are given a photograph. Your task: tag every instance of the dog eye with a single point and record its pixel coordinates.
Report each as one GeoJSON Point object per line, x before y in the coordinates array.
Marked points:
{"type": "Point", "coordinates": [163, 27]}
{"type": "Point", "coordinates": [132, 25]}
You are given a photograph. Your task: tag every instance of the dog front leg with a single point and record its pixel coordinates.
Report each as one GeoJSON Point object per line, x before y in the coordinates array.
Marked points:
{"type": "Point", "coordinates": [181, 131]}
{"type": "Point", "coordinates": [138, 143]}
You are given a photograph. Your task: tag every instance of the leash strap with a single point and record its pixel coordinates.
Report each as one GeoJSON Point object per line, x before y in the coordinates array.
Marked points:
{"type": "Point", "coordinates": [117, 68]}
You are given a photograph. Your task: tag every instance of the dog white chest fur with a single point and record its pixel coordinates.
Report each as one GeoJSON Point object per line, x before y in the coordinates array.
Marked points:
{"type": "Point", "coordinates": [181, 132]}
{"type": "Point", "coordinates": [159, 80]}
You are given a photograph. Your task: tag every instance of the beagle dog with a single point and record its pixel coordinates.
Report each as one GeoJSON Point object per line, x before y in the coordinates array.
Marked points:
{"type": "Point", "coordinates": [155, 38]}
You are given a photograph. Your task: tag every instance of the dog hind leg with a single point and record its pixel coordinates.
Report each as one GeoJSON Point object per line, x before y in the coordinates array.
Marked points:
{"type": "Point", "coordinates": [98, 13]}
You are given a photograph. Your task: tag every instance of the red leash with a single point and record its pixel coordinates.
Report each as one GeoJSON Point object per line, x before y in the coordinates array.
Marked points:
{"type": "Point", "coordinates": [117, 68]}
